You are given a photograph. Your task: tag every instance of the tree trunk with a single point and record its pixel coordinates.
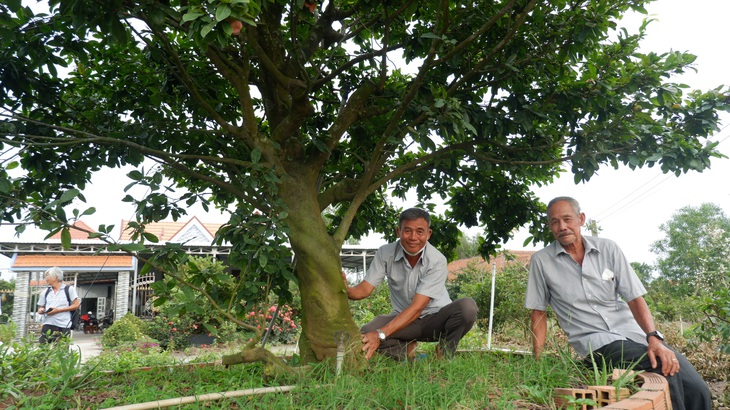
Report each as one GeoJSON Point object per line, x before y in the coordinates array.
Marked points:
{"type": "Point", "coordinates": [325, 308]}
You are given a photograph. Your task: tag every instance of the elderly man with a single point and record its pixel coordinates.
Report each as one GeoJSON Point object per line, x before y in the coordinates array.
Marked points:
{"type": "Point", "coordinates": [599, 302]}
{"type": "Point", "coordinates": [422, 309]}
{"type": "Point", "coordinates": [56, 305]}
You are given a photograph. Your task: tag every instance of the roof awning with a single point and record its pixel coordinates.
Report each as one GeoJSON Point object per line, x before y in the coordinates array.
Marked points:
{"type": "Point", "coordinates": [77, 263]}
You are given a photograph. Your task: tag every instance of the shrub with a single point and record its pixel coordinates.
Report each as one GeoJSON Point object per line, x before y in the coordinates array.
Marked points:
{"type": "Point", "coordinates": [509, 294]}
{"type": "Point", "coordinates": [716, 323]}
{"type": "Point", "coordinates": [125, 330]}
{"type": "Point", "coordinates": [7, 332]}
{"type": "Point", "coordinates": [172, 332]}
{"type": "Point", "coordinates": [378, 303]}
{"type": "Point", "coordinates": [284, 329]}
{"type": "Point", "coordinates": [145, 346]}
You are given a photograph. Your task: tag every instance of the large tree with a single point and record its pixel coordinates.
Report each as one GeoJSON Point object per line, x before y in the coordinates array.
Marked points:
{"type": "Point", "coordinates": [312, 114]}
{"type": "Point", "coordinates": [694, 255]}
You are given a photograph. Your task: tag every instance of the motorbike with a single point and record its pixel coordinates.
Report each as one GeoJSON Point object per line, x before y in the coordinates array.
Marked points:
{"type": "Point", "coordinates": [107, 320]}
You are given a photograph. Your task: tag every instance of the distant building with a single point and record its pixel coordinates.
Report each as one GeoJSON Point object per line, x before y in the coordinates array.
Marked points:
{"type": "Point", "coordinates": [111, 281]}
{"type": "Point", "coordinates": [500, 261]}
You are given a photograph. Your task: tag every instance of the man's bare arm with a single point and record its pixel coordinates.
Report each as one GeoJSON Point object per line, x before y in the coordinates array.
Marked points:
{"type": "Point", "coordinates": [656, 348]}
{"type": "Point", "coordinates": [370, 340]}
{"type": "Point", "coordinates": [538, 326]}
{"type": "Point", "coordinates": [361, 291]}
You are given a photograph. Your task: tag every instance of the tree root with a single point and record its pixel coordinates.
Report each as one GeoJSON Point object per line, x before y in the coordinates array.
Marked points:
{"type": "Point", "coordinates": [274, 367]}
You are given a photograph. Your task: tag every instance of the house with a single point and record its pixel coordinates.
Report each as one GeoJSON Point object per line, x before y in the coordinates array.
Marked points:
{"type": "Point", "coordinates": [500, 261]}
{"type": "Point", "coordinates": [111, 281]}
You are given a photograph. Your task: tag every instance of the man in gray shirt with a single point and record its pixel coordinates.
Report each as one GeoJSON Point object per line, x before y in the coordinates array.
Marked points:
{"type": "Point", "coordinates": [422, 309]}
{"type": "Point", "coordinates": [598, 300]}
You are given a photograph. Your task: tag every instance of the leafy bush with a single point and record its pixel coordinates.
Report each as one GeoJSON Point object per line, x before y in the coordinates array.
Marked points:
{"type": "Point", "coordinates": [52, 369]}
{"type": "Point", "coordinates": [172, 332]}
{"type": "Point", "coordinates": [509, 295]}
{"type": "Point", "coordinates": [378, 303]}
{"type": "Point", "coordinates": [146, 345]}
{"type": "Point", "coordinates": [284, 329]}
{"type": "Point", "coordinates": [668, 305]}
{"type": "Point", "coordinates": [125, 330]}
{"type": "Point", "coordinates": [7, 332]}
{"type": "Point", "coordinates": [716, 324]}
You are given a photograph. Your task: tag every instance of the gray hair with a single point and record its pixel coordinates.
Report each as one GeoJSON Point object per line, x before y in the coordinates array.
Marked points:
{"type": "Point", "coordinates": [573, 203]}
{"type": "Point", "coordinates": [55, 272]}
{"type": "Point", "coordinates": [411, 214]}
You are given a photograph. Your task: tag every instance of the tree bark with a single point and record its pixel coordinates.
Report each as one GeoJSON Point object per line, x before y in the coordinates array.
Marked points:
{"type": "Point", "coordinates": [325, 308]}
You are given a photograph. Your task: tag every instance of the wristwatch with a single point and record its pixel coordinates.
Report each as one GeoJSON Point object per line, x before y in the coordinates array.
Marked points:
{"type": "Point", "coordinates": [381, 335]}
{"type": "Point", "coordinates": [656, 334]}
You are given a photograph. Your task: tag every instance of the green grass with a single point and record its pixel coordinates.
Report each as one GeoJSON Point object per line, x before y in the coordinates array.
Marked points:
{"type": "Point", "coordinates": [471, 380]}
{"type": "Point", "coordinates": [42, 378]}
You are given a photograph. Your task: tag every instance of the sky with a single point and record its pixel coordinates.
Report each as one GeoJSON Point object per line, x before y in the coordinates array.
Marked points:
{"type": "Point", "coordinates": [629, 206]}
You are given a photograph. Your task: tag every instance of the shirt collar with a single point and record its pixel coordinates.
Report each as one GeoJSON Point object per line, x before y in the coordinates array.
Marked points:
{"type": "Point", "coordinates": [588, 244]}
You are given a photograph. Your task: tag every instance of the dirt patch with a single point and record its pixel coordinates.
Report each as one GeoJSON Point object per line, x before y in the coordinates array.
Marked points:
{"type": "Point", "coordinates": [720, 395]}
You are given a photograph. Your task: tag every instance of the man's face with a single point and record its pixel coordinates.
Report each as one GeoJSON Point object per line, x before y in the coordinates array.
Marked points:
{"type": "Point", "coordinates": [564, 223]}
{"type": "Point", "coordinates": [413, 234]}
{"type": "Point", "coordinates": [50, 279]}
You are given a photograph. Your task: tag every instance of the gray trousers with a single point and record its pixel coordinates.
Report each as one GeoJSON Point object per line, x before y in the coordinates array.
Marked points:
{"type": "Point", "coordinates": [686, 388]}
{"type": "Point", "coordinates": [447, 326]}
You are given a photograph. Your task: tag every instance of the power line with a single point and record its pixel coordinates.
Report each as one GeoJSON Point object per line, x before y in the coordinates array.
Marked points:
{"type": "Point", "coordinates": [609, 211]}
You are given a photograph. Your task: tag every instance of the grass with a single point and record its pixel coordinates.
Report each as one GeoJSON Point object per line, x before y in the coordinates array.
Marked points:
{"type": "Point", "coordinates": [473, 379]}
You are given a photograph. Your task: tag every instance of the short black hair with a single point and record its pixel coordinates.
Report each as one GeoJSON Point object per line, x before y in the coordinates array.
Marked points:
{"type": "Point", "coordinates": [411, 214]}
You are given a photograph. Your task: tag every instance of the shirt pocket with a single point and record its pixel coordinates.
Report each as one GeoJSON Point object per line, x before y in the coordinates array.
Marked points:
{"type": "Point", "coordinates": [603, 290]}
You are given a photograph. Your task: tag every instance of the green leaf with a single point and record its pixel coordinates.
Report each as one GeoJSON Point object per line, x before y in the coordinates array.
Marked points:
{"type": "Point", "coordinates": [190, 16]}
{"type": "Point", "coordinates": [66, 238]}
{"type": "Point", "coordinates": [207, 28]}
{"type": "Point", "coordinates": [255, 155]}
{"type": "Point", "coordinates": [222, 12]}
{"type": "Point", "coordinates": [69, 195]}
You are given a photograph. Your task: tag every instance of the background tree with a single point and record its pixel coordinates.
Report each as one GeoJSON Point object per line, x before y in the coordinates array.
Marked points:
{"type": "Point", "coordinates": [695, 253]}
{"type": "Point", "coordinates": [643, 271]}
{"type": "Point", "coordinates": [592, 227]}
{"type": "Point", "coordinates": [468, 246]}
{"type": "Point", "coordinates": [289, 114]}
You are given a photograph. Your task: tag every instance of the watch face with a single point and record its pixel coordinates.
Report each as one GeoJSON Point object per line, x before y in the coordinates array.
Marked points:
{"type": "Point", "coordinates": [656, 333]}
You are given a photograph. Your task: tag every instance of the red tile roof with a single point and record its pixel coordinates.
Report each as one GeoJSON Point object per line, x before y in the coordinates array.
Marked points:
{"type": "Point", "coordinates": [521, 257]}
{"type": "Point", "coordinates": [78, 234]}
{"type": "Point", "coordinates": [164, 231]}
{"type": "Point", "coordinates": [115, 261]}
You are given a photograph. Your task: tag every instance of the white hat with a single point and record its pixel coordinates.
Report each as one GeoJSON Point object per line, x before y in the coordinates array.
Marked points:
{"type": "Point", "coordinates": [90, 313]}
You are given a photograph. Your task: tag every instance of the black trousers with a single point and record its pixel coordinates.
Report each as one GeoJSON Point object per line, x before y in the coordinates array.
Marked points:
{"type": "Point", "coordinates": [686, 388]}
{"type": "Point", "coordinates": [51, 333]}
{"type": "Point", "coordinates": [447, 326]}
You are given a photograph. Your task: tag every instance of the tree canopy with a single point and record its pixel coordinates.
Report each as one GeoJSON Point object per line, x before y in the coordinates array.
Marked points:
{"type": "Point", "coordinates": [304, 118]}
{"type": "Point", "coordinates": [695, 253]}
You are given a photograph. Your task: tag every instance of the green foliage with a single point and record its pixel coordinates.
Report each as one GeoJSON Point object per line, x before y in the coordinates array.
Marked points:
{"type": "Point", "coordinates": [378, 303]}
{"type": "Point", "coordinates": [171, 333]}
{"type": "Point", "coordinates": [643, 271]}
{"type": "Point", "coordinates": [667, 303]}
{"type": "Point", "coordinates": [715, 326]}
{"type": "Point", "coordinates": [131, 355]}
{"type": "Point", "coordinates": [127, 329]}
{"type": "Point", "coordinates": [510, 287]}
{"type": "Point", "coordinates": [52, 370]}
{"type": "Point", "coordinates": [202, 293]}
{"type": "Point", "coordinates": [7, 332]}
{"type": "Point", "coordinates": [7, 297]}
{"type": "Point", "coordinates": [289, 116]}
{"type": "Point", "coordinates": [694, 255]}
{"type": "Point", "coordinates": [468, 246]}
{"type": "Point", "coordinates": [284, 329]}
